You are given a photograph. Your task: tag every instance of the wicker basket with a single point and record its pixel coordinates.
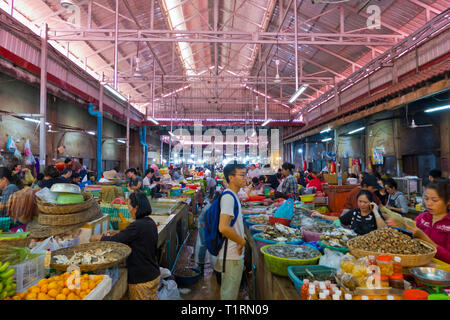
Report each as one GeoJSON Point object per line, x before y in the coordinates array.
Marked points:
{"type": "Point", "coordinates": [53, 208]}
{"type": "Point", "coordinates": [70, 219]}
{"type": "Point", "coordinates": [16, 242]}
{"type": "Point", "coordinates": [408, 260]}
{"type": "Point", "coordinates": [119, 253]}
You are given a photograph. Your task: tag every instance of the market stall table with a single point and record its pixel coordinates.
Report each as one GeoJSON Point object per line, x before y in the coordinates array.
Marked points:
{"type": "Point", "coordinates": [337, 195]}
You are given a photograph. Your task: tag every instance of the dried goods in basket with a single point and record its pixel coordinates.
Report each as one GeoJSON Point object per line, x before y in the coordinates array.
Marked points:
{"type": "Point", "coordinates": [53, 208]}
{"type": "Point", "coordinates": [90, 256]}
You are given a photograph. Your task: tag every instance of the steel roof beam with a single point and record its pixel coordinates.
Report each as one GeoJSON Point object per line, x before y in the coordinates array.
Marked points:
{"type": "Point", "coordinates": [426, 6]}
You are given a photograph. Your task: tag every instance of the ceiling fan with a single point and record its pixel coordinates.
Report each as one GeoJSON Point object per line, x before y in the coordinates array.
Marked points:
{"type": "Point", "coordinates": [277, 63]}
{"type": "Point", "coordinates": [414, 125]}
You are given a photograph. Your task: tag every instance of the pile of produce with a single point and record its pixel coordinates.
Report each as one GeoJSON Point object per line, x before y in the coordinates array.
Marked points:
{"type": "Point", "coordinates": [11, 236]}
{"type": "Point", "coordinates": [186, 272]}
{"type": "Point", "coordinates": [56, 288]}
{"type": "Point", "coordinates": [281, 233]}
{"type": "Point", "coordinates": [97, 256]}
{"type": "Point", "coordinates": [15, 255]}
{"type": "Point", "coordinates": [292, 252]}
{"type": "Point", "coordinates": [7, 287]}
{"type": "Point", "coordinates": [337, 237]}
{"type": "Point", "coordinates": [388, 240]}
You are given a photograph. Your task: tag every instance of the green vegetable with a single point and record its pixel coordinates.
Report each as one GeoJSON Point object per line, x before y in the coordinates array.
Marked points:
{"type": "Point", "coordinates": [4, 266]}
{"type": "Point", "coordinates": [8, 288]}
{"type": "Point", "coordinates": [69, 198]}
{"type": "Point", "coordinates": [3, 295]}
{"type": "Point", "coordinates": [1, 286]}
{"type": "Point", "coordinates": [8, 281]}
{"type": "Point", "coordinates": [11, 293]}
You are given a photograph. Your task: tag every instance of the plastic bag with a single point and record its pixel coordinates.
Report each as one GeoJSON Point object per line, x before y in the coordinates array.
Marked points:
{"type": "Point", "coordinates": [47, 195]}
{"type": "Point", "coordinates": [286, 210]}
{"type": "Point", "coordinates": [242, 195]}
{"type": "Point", "coordinates": [29, 158]}
{"type": "Point", "coordinates": [49, 243]}
{"type": "Point", "coordinates": [331, 258]}
{"type": "Point", "coordinates": [11, 145]}
{"type": "Point", "coordinates": [17, 154]}
{"type": "Point", "coordinates": [168, 290]}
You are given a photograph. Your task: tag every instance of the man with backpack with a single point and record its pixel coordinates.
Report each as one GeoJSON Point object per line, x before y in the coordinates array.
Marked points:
{"type": "Point", "coordinates": [224, 232]}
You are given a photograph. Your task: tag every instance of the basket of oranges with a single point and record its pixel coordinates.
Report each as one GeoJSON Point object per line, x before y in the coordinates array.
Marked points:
{"type": "Point", "coordinates": [65, 287]}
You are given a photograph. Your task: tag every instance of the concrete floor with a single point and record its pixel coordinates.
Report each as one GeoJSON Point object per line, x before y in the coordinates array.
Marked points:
{"type": "Point", "coordinates": [207, 287]}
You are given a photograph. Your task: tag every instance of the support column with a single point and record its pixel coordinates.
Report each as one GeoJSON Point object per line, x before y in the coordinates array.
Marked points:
{"type": "Point", "coordinates": [445, 144]}
{"type": "Point", "coordinates": [296, 44]}
{"type": "Point", "coordinates": [116, 45]}
{"type": "Point", "coordinates": [43, 101]}
{"type": "Point", "coordinates": [127, 152]}
{"type": "Point", "coordinates": [398, 152]}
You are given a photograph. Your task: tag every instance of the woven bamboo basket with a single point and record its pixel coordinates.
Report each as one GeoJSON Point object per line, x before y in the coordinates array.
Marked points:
{"type": "Point", "coordinates": [408, 260]}
{"type": "Point", "coordinates": [53, 208]}
{"type": "Point", "coordinates": [16, 242]}
{"type": "Point", "coordinates": [118, 254]}
{"type": "Point", "coordinates": [70, 219]}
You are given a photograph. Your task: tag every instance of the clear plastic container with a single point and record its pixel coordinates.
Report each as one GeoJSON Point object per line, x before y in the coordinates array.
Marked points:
{"type": "Point", "coordinates": [397, 265]}
{"type": "Point", "coordinates": [336, 297]}
{"type": "Point", "coordinates": [347, 263]}
{"type": "Point", "coordinates": [386, 265]}
{"type": "Point", "coordinates": [390, 298]}
{"type": "Point", "coordinates": [348, 296]}
{"type": "Point", "coordinates": [312, 293]}
{"type": "Point", "coordinates": [364, 298]}
{"type": "Point", "coordinates": [322, 296]}
{"type": "Point", "coordinates": [396, 281]}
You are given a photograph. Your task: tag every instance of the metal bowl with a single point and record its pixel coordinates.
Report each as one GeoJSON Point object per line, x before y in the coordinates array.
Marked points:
{"type": "Point", "coordinates": [66, 188]}
{"type": "Point", "coordinates": [432, 276]}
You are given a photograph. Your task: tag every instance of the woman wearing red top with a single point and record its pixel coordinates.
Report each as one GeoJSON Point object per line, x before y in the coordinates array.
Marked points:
{"type": "Point", "coordinates": [316, 181]}
{"type": "Point", "coordinates": [434, 225]}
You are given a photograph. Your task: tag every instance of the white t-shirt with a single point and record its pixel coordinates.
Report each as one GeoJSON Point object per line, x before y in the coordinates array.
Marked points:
{"type": "Point", "coordinates": [146, 182]}
{"type": "Point", "coordinates": [227, 207]}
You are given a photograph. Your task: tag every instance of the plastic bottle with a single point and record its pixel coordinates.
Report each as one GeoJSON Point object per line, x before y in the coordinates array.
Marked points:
{"type": "Point", "coordinates": [304, 289]}
{"type": "Point", "coordinates": [348, 296]}
{"type": "Point", "coordinates": [336, 297]}
{"type": "Point", "coordinates": [397, 264]}
{"type": "Point", "coordinates": [322, 286]}
{"type": "Point", "coordinates": [339, 179]}
{"type": "Point", "coordinates": [327, 293]}
{"type": "Point", "coordinates": [328, 285]}
{"type": "Point", "coordinates": [312, 293]}
{"type": "Point", "coordinates": [322, 296]}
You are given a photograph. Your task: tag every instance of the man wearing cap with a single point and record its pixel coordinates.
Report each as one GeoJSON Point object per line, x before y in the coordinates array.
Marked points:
{"type": "Point", "coordinates": [369, 182]}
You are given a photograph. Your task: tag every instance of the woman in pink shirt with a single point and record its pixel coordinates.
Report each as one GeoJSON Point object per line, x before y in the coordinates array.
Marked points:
{"type": "Point", "coordinates": [434, 225]}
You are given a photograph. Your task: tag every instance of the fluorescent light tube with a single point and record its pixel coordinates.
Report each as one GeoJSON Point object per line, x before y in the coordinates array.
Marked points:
{"type": "Point", "coordinates": [34, 120]}
{"type": "Point", "coordinates": [300, 150]}
{"type": "Point", "coordinates": [357, 130]}
{"type": "Point", "coordinates": [266, 122]}
{"type": "Point", "coordinates": [114, 92]}
{"type": "Point", "coordinates": [153, 120]}
{"type": "Point", "coordinates": [92, 133]}
{"type": "Point", "coordinates": [327, 139]}
{"type": "Point", "coordinates": [120, 141]}
{"type": "Point", "coordinates": [326, 130]}
{"type": "Point", "coordinates": [438, 108]}
{"type": "Point", "coordinates": [298, 93]}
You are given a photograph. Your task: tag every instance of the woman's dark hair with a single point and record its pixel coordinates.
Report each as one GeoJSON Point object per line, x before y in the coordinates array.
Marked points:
{"type": "Point", "coordinates": [377, 174]}
{"type": "Point", "coordinates": [75, 175]}
{"type": "Point", "coordinates": [66, 170]}
{"type": "Point", "coordinates": [366, 193]}
{"type": "Point", "coordinates": [40, 176]}
{"type": "Point", "coordinates": [133, 170]}
{"type": "Point", "coordinates": [12, 178]}
{"type": "Point", "coordinates": [149, 171]}
{"type": "Point", "coordinates": [262, 178]}
{"type": "Point", "coordinates": [442, 187]}
{"type": "Point", "coordinates": [288, 166]}
{"type": "Point", "coordinates": [51, 171]}
{"type": "Point", "coordinates": [352, 175]}
{"type": "Point", "coordinates": [67, 160]}
{"type": "Point", "coordinates": [278, 175]}
{"type": "Point", "coordinates": [139, 200]}
{"type": "Point", "coordinates": [117, 168]}
{"type": "Point", "coordinates": [390, 183]}
{"type": "Point", "coordinates": [435, 173]}
{"type": "Point", "coordinates": [255, 180]}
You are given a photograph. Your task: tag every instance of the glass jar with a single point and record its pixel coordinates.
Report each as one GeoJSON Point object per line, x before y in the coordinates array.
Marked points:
{"type": "Point", "coordinates": [386, 265]}
{"type": "Point", "coordinates": [382, 280]}
{"type": "Point", "coordinates": [396, 281]}
{"type": "Point", "coordinates": [397, 265]}
{"type": "Point", "coordinates": [372, 260]}
{"type": "Point", "coordinates": [347, 263]}
{"type": "Point", "coordinates": [348, 296]}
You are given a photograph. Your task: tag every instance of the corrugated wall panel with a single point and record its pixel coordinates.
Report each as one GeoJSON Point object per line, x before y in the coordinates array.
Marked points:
{"type": "Point", "coordinates": [433, 49]}
{"type": "Point", "coordinates": [380, 77]}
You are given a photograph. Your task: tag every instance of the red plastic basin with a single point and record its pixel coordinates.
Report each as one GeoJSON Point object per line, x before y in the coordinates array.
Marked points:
{"type": "Point", "coordinates": [273, 220]}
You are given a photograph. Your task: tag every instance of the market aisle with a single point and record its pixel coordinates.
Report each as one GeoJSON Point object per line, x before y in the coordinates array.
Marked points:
{"type": "Point", "coordinates": [207, 287]}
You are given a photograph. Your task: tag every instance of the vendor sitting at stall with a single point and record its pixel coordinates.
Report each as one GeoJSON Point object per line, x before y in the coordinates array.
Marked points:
{"type": "Point", "coordinates": [396, 200]}
{"type": "Point", "coordinates": [51, 176]}
{"type": "Point", "coordinates": [370, 183]}
{"type": "Point", "coordinates": [9, 183]}
{"type": "Point", "coordinates": [271, 177]}
{"type": "Point", "coordinates": [433, 225]}
{"type": "Point", "coordinates": [66, 175]}
{"type": "Point", "coordinates": [142, 236]}
{"type": "Point", "coordinates": [75, 179]}
{"type": "Point", "coordinates": [364, 219]}
{"type": "Point", "coordinates": [289, 186]}
{"type": "Point", "coordinates": [134, 182]}
{"type": "Point", "coordinates": [315, 181]}
{"type": "Point", "coordinates": [177, 175]}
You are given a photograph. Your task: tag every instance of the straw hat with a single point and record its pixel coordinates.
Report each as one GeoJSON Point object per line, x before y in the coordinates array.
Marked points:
{"type": "Point", "coordinates": [110, 175]}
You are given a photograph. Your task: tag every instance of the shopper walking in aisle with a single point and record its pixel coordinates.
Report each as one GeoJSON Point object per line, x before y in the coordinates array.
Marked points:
{"type": "Point", "coordinates": [362, 219]}
{"type": "Point", "coordinates": [142, 236]}
{"type": "Point", "coordinates": [235, 175]}
{"type": "Point", "coordinates": [396, 200]}
{"type": "Point", "coordinates": [433, 225]}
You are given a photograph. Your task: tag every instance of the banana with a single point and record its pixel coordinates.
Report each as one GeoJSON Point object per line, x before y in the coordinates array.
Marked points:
{"type": "Point", "coordinates": [1, 286]}
{"type": "Point", "coordinates": [11, 293]}
{"type": "Point", "coordinates": [4, 266]}
{"type": "Point", "coordinates": [7, 273]}
{"type": "Point", "coordinates": [8, 288]}
{"type": "Point", "coordinates": [3, 295]}
{"type": "Point", "coordinates": [8, 281]}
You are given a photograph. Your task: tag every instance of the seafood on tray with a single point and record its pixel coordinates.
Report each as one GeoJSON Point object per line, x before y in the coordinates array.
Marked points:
{"type": "Point", "coordinates": [96, 256]}
{"type": "Point", "coordinates": [337, 237]}
{"type": "Point", "coordinates": [281, 233]}
{"type": "Point", "coordinates": [289, 251]}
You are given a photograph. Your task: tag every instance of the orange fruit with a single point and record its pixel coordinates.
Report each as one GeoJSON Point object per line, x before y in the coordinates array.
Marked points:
{"type": "Point", "coordinates": [56, 278]}
{"type": "Point", "coordinates": [98, 278]}
{"type": "Point", "coordinates": [61, 297]}
{"type": "Point", "coordinates": [34, 289]}
{"type": "Point", "coordinates": [83, 294]}
{"type": "Point", "coordinates": [92, 284]}
{"type": "Point", "coordinates": [42, 296]}
{"type": "Point", "coordinates": [72, 296]}
{"type": "Point", "coordinates": [52, 285]}
{"type": "Point", "coordinates": [22, 295]}
{"type": "Point", "coordinates": [52, 293]}
{"type": "Point", "coordinates": [16, 297]}
{"type": "Point", "coordinates": [65, 291]}
{"type": "Point", "coordinates": [44, 288]}
{"type": "Point", "coordinates": [77, 291]}
{"type": "Point", "coordinates": [31, 296]}
{"type": "Point", "coordinates": [84, 285]}
{"type": "Point", "coordinates": [42, 282]}
{"type": "Point", "coordinates": [62, 283]}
